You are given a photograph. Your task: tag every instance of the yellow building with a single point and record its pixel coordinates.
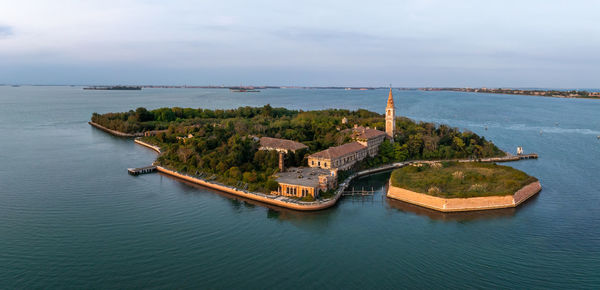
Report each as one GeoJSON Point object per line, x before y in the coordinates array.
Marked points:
{"type": "Point", "coordinates": [305, 181]}
{"type": "Point", "coordinates": [343, 157]}
{"type": "Point", "coordinates": [371, 138]}
{"type": "Point", "coordinates": [339, 157]}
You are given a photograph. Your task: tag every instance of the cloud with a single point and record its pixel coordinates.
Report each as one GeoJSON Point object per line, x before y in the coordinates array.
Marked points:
{"type": "Point", "coordinates": [5, 31]}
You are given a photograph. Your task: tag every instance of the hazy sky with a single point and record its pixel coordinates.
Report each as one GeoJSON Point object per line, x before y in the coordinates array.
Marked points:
{"type": "Point", "coordinates": [406, 43]}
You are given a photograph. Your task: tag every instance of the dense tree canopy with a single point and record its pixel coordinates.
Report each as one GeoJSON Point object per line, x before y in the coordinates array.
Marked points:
{"type": "Point", "coordinates": [224, 143]}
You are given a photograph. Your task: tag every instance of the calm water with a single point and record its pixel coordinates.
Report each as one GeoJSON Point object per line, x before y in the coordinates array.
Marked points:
{"type": "Point", "coordinates": [71, 217]}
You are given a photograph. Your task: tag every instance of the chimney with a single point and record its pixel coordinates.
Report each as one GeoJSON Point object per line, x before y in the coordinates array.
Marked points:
{"type": "Point", "coordinates": [281, 162]}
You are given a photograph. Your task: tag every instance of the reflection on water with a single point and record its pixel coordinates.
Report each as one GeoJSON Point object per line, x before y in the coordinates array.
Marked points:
{"type": "Point", "coordinates": [377, 181]}
{"type": "Point", "coordinates": [453, 216]}
{"type": "Point", "coordinates": [273, 212]}
{"type": "Point", "coordinates": [459, 216]}
{"type": "Point", "coordinates": [72, 216]}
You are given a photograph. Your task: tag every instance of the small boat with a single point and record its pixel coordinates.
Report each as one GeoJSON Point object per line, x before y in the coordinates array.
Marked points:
{"type": "Point", "coordinates": [598, 137]}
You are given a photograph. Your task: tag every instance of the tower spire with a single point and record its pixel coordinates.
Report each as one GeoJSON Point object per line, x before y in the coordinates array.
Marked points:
{"type": "Point", "coordinates": [390, 117]}
{"type": "Point", "coordinates": [390, 101]}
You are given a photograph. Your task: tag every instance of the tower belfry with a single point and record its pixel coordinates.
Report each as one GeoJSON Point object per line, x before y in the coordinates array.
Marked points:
{"type": "Point", "coordinates": [390, 117]}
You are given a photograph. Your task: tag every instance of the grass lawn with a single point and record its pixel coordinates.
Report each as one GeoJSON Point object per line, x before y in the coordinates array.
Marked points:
{"type": "Point", "coordinates": [454, 179]}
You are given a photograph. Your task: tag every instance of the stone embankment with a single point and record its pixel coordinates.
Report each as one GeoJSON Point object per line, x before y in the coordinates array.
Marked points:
{"type": "Point", "coordinates": [295, 204]}
{"type": "Point", "coordinates": [266, 198]}
{"type": "Point", "coordinates": [114, 132]}
{"type": "Point", "coordinates": [464, 204]}
{"type": "Point", "coordinates": [155, 148]}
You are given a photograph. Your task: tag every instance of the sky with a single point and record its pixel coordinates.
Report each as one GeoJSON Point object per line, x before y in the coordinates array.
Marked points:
{"type": "Point", "coordinates": [552, 44]}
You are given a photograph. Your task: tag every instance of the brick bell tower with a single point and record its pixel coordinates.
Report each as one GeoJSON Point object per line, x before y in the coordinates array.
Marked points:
{"type": "Point", "coordinates": [390, 117]}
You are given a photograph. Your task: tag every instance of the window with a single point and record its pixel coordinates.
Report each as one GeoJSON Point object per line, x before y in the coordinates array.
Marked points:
{"type": "Point", "coordinates": [325, 164]}
{"type": "Point", "coordinates": [319, 163]}
{"type": "Point", "coordinates": [313, 162]}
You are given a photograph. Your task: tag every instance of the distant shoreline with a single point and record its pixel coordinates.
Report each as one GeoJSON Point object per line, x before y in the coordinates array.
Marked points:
{"type": "Point", "coordinates": [566, 94]}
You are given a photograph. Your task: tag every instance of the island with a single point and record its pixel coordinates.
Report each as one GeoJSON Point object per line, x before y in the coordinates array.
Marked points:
{"type": "Point", "coordinates": [114, 88]}
{"type": "Point", "coordinates": [541, 93]}
{"type": "Point", "coordinates": [461, 186]}
{"type": "Point", "coordinates": [298, 159]}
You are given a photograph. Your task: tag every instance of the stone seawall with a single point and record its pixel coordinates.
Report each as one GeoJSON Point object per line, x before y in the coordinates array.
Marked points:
{"type": "Point", "coordinates": [464, 204]}
{"type": "Point", "coordinates": [155, 148]}
{"type": "Point", "coordinates": [270, 199]}
{"type": "Point", "coordinates": [436, 203]}
{"type": "Point", "coordinates": [274, 200]}
{"type": "Point", "coordinates": [114, 132]}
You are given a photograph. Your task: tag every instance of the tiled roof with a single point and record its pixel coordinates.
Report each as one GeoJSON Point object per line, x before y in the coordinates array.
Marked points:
{"type": "Point", "coordinates": [366, 133]}
{"type": "Point", "coordinates": [338, 151]}
{"type": "Point", "coordinates": [277, 143]}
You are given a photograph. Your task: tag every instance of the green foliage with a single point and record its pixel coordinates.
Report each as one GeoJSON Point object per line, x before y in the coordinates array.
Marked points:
{"type": "Point", "coordinates": [461, 179]}
{"type": "Point", "coordinates": [224, 141]}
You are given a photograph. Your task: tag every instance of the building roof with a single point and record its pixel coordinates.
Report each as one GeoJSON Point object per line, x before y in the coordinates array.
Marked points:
{"type": "Point", "coordinates": [366, 133]}
{"type": "Point", "coordinates": [284, 144]}
{"type": "Point", "coordinates": [305, 176]}
{"type": "Point", "coordinates": [338, 151]}
{"type": "Point", "coordinates": [390, 102]}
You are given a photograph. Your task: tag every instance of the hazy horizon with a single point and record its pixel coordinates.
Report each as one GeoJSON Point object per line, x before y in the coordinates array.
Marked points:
{"type": "Point", "coordinates": [538, 44]}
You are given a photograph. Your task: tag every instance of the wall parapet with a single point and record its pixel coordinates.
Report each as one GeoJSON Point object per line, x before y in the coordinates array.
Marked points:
{"type": "Point", "coordinates": [155, 148]}
{"type": "Point", "coordinates": [464, 204]}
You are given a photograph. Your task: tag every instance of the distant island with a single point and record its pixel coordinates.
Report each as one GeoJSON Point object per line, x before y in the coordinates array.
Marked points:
{"type": "Point", "coordinates": [298, 159]}
{"type": "Point", "coordinates": [542, 93]}
{"type": "Point", "coordinates": [118, 88]}
{"type": "Point", "coordinates": [244, 89]}
{"type": "Point", "coordinates": [462, 186]}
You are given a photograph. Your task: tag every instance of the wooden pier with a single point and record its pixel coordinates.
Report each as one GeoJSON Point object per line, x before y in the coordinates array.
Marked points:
{"type": "Point", "coordinates": [509, 157]}
{"type": "Point", "coordinates": [528, 156]}
{"type": "Point", "coordinates": [361, 192]}
{"type": "Point", "coordinates": [141, 170]}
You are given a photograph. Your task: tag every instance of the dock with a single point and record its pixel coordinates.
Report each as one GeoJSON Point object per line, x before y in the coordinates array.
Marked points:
{"type": "Point", "coordinates": [528, 156]}
{"type": "Point", "coordinates": [507, 158]}
{"type": "Point", "coordinates": [141, 170]}
{"type": "Point", "coordinates": [359, 192]}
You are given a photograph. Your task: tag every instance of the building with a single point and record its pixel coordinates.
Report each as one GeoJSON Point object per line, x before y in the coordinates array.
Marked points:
{"type": "Point", "coordinates": [371, 138]}
{"type": "Point", "coordinates": [339, 157]}
{"type": "Point", "coordinates": [366, 143]}
{"type": "Point", "coordinates": [280, 145]}
{"type": "Point", "coordinates": [390, 117]}
{"type": "Point", "coordinates": [154, 132]}
{"type": "Point", "coordinates": [305, 181]}
{"type": "Point", "coordinates": [185, 138]}
{"type": "Point", "coordinates": [321, 174]}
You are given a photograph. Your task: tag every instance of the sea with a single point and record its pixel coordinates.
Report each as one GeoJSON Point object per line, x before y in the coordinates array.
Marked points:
{"type": "Point", "coordinates": [71, 216]}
